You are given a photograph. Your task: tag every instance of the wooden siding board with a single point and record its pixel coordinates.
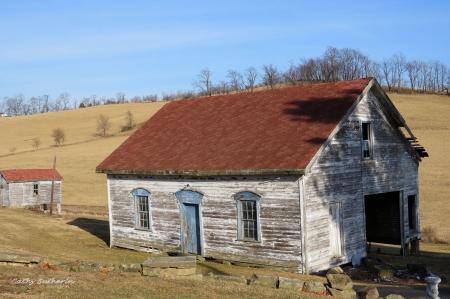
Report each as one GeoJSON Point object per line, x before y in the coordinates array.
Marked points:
{"type": "Point", "coordinates": [21, 193]}
{"type": "Point", "coordinates": [340, 174]}
{"type": "Point", "coordinates": [279, 216]}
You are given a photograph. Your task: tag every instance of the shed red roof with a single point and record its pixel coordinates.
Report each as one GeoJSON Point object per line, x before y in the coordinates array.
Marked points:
{"type": "Point", "coordinates": [262, 130]}
{"type": "Point", "coordinates": [23, 175]}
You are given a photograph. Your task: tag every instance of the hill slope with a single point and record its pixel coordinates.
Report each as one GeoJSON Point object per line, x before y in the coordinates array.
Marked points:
{"type": "Point", "coordinates": [82, 152]}
{"type": "Point", "coordinates": [426, 115]}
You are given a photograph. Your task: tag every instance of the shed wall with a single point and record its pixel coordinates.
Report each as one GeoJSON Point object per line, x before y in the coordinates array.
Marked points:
{"type": "Point", "coordinates": [280, 244]}
{"type": "Point", "coordinates": [340, 174]}
{"type": "Point", "coordinates": [21, 193]}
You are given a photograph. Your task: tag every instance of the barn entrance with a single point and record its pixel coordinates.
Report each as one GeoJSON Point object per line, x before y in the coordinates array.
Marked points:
{"type": "Point", "coordinates": [383, 218]}
{"type": "Point", "coordinates": [190, 226]}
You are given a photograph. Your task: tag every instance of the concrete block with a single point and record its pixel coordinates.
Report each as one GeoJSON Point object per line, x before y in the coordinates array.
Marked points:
{"type": "Point", "coordinates": [368, 293]}
{"type": "Point", "coordinates": [315, 286]}
{"type": "Point", "coordinates": [20, 258]}
{"type": "Point", "coordinates": [290, 284]}
{"type": "Point", "coordinates": [167, 272]}
{"type": "Point", "coordinates": [264, 280]}
{"type": "Point", "coordinates": [347, 294]}
{"type": "Point", "coordinates": [130, 268]}
{"type": "Point", "coordinates": [340, 281]}
{"type": "Point", "coordinates": [335, 270]}
{"type": "Point", "coordinates": [228, 278]}
{"type": "Point", "coordinates": [90, 267]}
{"type": "Point", "coordinates": [181, 262]}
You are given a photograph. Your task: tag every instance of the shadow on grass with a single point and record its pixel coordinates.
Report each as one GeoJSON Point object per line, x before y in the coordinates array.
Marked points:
{"type": "Point", "coordinates": [96, 227]}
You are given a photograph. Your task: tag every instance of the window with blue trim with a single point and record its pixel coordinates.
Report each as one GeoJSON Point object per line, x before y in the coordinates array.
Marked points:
{"type": "Point", "coordinates": [248, 216]}
{"type": "Point", "coordinates": [143, 217]}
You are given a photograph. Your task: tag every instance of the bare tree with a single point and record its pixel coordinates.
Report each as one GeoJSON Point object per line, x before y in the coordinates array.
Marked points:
{"type": "Point", "coordinates": [236, 80]}
{"type": "Point", "coordinates": [330, 64]}
{"type": "Point", "coordinates": [14, 104]}
{"type": "Point", "coordinates": [64, 99]}
{"type": "Point", "coordinates": [250, 74]}
{"type": "Point", "coordinates": [292, 74]}
{"type": "Point", "coordinates": [59, 136]}
{"type": "Point", "coordinates": [94, 100]}
{"type": "Point", "coordinates": [103, 125]}
{"type": "Point", "coordinates": [36, 143]}
{"type": "Point", "coordinates": [150, 98]}
{"type": "Point", "coordinates": [204, 82]}
{"type": "Point", "coordinates": [388, 72]}
{"type": "Point", "coordinates": [46, 103]}
{"type": "Point", "coordinates": [120, 96]}
{"type": "Point", "coordinates": [413, 69]}
{"type": "Point", "coordinates": [35, 105]}
{"type": "Point", "coordinates": [86, 102]}
{"type": "Point", "coordinates": [310, 70]}
{"type": "Point", "coordinates": [271, 76]}
{"type": "Point", "coordinates": [136, 99]}
{"type": "Point", "coordinates": [399, 62]}
{"type": "Point", "coordinates": [75, 103]}
{"type": "Point", "coordinates": [129, 122]}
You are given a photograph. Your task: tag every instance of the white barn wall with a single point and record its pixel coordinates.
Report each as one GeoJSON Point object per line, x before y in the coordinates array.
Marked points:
{"type": "Point", "coordinates": [340, 174]}
{"type": "Point", "coordinates": [280, 244]}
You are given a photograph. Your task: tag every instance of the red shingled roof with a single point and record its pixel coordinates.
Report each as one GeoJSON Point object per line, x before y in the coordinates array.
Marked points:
{"type": "Point", "coordinates": [264, 130]}
{"type": "Point", "coordinates": [23, 175]}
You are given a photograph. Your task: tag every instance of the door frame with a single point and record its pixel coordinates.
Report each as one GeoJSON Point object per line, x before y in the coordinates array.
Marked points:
{"type": "Point", "coordinates": [337, 237]}
{"type": "Point", "coordinates": [191, 197]}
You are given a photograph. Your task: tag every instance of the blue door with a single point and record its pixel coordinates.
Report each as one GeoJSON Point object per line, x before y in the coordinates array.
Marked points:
{"type": "Point", "coordinates": [190, 214]}
{"type": "Point", "coordinates": [190, 229]}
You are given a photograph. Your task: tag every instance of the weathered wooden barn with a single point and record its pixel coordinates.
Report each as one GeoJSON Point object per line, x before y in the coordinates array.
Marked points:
{"type": "Point", "coordinates": [298, 178]}
{"type": "Point", "coordinates": [29, 187]}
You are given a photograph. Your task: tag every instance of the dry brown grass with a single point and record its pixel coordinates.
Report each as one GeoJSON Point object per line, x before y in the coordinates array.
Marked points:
{"type": "Point", "coordinates": [65, 240]}
{"type": "Point", "coordinates": [82, 151]}
{"type": "Point", "coordinates": [428, 118]}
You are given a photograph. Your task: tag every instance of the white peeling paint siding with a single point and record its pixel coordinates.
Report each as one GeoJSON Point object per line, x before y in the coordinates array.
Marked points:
{"type": "Point", "coordinates": [21, 193]}
{"type": "Point", "coordinates": [340, 174]}
{"type": "Point", "coordinates": [280, 244]}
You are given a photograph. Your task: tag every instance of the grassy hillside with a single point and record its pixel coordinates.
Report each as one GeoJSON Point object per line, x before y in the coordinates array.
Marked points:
{"type": "Point", "coordinates": [83, 151]}
{"type": "Point", "coordinates": [427, 117]}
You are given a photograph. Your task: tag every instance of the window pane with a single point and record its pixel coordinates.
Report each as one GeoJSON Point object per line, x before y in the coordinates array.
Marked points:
{"type": "Point", "coordinates": [248, 221]}
{"type": "Point", "coordinates": [143, 212]}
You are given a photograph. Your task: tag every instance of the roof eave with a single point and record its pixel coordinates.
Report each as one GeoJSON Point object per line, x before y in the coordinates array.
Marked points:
{"type": "Point", "coordinates": [222, 172]}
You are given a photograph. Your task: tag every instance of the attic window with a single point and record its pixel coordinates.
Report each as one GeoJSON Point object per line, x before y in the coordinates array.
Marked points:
{"type": "Point", "coordinates": [35, 189]}
{"type": "Point", "coordinates": [367, 140]}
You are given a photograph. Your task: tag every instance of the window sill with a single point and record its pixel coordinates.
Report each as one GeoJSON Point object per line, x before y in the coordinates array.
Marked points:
{"type": "Point", "coordinates": [143, 229]}
{"type": "Point", "coordinates": [247, 240]}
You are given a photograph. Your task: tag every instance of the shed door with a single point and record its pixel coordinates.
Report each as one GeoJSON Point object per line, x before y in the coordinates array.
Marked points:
{"type": "Point", "coordinates": [190, 229]}
{"type": "Point", "coordinates": [336, 238]}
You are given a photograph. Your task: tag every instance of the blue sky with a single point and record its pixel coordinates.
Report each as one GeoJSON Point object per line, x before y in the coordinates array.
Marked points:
{"type": "Point", "coordinates": [148, 47]}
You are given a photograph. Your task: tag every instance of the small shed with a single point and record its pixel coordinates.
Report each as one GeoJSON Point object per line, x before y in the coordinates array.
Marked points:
{"type": "Point", "coordinates": [30, 187]}
{"type": "Point", "coordinates": [298, 178]}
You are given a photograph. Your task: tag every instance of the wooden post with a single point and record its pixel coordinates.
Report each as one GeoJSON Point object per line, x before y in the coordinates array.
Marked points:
{"type": "Point", "coordinates": [53, 186]}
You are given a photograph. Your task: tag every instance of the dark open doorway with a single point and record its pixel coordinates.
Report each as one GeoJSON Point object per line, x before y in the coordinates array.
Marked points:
{"type": "Point", "coordinates": [383, 218]}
